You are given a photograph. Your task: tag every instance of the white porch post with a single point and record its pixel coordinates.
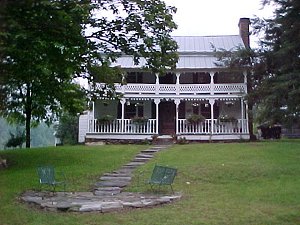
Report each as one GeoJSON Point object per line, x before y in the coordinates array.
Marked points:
{"type": "Point", "coordinates": [243, 114]}
{"type": "Point", "coordinates": [247, 117]}
{"type": "Point", "coordinates": [122, 101]}
{"type": "Point", "coordinates": [156, 101]}
{"type": "Point", "coordinates": [177, 102]}
{"type": "Point", "coordinates": [123, 82]}
{"type": "Point", "coordinates": [212, 84]}
{"type": "Point", "coordinates": [212, 102]}
{"type": "Point", "coordinates": [157, 84]}
{"type": "Point", "coordinates": [92, 118]}
{"type": "Point", "coordinates": [245, 81]}
{"type": "Point", "coordinates": [89, 120]}
{"type": "Point", "coordinates": [177, 83]}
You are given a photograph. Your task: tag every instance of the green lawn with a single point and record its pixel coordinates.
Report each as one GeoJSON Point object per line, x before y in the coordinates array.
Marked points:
{"type": "Point", "coordinates": [236, 183]}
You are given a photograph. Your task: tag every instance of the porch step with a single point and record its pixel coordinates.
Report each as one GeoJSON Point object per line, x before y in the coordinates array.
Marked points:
{"type": "Point", "coordinates": [164, 141]}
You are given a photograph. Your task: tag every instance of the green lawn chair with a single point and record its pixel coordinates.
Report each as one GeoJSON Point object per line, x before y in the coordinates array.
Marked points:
{"type": "Point", "coordinates": [47, 177]}
{"type": "Point", "coordinates": [162, 175]}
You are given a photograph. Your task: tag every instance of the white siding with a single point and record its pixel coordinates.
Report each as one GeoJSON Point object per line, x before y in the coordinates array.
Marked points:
{"type": "Point", "coordinates": [83, 127]}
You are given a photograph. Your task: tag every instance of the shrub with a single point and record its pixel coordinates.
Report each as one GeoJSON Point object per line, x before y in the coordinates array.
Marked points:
{"type": "Point", "coordinates": [16, 140]}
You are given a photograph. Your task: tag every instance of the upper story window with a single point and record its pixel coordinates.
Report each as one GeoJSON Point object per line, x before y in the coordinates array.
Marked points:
{"type": "Point", "coordinates": [134, 77]}
{"type": "Point", "coordinates": [195, 78]}
{"type": "Point", "coordinates": [228, 77]}
{"type": "Point", "coordinates": [169, 78]}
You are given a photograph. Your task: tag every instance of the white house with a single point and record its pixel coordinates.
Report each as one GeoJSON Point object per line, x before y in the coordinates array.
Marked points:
{"type": "Point", "coordinates": [155, 105]}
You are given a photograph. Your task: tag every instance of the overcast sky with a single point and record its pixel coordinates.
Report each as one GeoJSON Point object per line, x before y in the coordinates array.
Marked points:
{"type": "Point", "coordinates": [214, 17]}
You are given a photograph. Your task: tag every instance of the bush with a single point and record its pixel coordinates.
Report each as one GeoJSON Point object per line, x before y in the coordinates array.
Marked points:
{"type": "Point", "coordinates": [16, 140]}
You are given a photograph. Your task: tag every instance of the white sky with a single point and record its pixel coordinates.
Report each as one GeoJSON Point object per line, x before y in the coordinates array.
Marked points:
{"type": "Point", "coordinates": [214, 17]}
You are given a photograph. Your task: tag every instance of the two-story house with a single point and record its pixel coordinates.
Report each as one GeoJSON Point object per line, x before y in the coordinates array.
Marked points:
{"type": "Point", "coordinates": [198, 101]}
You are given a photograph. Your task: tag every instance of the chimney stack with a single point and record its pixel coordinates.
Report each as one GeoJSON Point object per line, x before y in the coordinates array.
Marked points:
{"type": "Point", "coordinates": [244, 31]}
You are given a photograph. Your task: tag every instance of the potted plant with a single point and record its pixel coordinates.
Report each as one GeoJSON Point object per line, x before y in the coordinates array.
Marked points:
{"type": "Point", "coordinates": [195, 118]}
{"type": "Point", "coordinates": [226, 118]}
{"type": "Point", "coordinates": [105, 119]}
{"type": "Point", "coordinates": [139, 120]}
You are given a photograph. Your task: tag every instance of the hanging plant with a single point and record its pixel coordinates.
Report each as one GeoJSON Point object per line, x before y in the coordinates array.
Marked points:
{"type": "Point", "coordinates": [226, 118]}
{"type": "Point", "coordinates": [195, 118]}
{"type": "Point", "coordinates": [139, 120]}
{"type": "Point", "coordinates": [105, 119]}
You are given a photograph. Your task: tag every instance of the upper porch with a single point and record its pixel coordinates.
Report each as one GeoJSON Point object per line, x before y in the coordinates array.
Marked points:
{"type": "Point", "coordinates": [181, 84]}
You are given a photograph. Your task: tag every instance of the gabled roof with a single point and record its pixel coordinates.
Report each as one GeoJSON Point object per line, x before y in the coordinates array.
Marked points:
{"type": "Point", "coordinates": [195, 52]}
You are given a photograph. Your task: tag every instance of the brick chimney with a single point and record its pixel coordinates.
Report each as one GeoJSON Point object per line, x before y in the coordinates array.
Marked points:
{"type": "Point", "coordinates": [244, 31]}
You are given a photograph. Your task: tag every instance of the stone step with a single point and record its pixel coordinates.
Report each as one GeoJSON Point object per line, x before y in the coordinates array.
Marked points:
{"type": "Point", "coordinates": [109, 178]}
{"type": "Point", "coordinates": [138, 159]}
{"type": "Point", "coordinates": [147, 156]}
{"type": "Point", "coordinates": [149, 151]}
{"type": "Point", "coordinates": [135, 164]}
{"type": "Point", "coordinates": [132, 167]}
{"type": "Point", "coordinates": [116, 174]}
{"type": "Point", "coordinates": [112, 184]}
{"type": "Point", "coordinates": [127, 170]}
{"type": "Point", "coordinates": [107, 191]}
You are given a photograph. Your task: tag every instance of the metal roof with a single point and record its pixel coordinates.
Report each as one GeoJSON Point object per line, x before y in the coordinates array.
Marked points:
{"type": "Point", "coordinates": [203, 44]}
{"type": "Point", "coordinates": [195, 52]}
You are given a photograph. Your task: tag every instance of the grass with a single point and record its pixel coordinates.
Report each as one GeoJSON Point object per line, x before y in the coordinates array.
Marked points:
{"type": "Point", "coordinates": [236, 183]}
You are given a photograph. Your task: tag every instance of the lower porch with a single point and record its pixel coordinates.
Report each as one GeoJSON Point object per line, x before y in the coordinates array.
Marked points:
{"type": "Point", "coordinates": [207, 130]}
{"type": "Point", "coordinates": [140, 119]}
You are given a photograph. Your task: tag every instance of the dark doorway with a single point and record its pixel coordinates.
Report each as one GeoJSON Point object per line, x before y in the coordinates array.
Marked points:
{"type": "Point", "coordinates": [167, 118]}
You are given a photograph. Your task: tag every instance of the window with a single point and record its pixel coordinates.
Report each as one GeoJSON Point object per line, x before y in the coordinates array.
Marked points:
{"type": "Point", "coordinates": [134, 77]}
{"type": "Point", "coordinates": [134, 109]}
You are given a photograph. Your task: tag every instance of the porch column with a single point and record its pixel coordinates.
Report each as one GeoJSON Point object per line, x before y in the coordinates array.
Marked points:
{"type": "Point", "coordinates": [212, 102]}
{"type": "Point", "coordinates": [92, 118]}
{"type": "Point", "coordinates": [122, 101]}
{"type": "Point", "coordinates": [245, 81]}
{"type": "Point", "coordinates": [177, 102]}
{"type": "Point", "coordinates": [156, 101]}
{"type": "Point", "coordinates": [177, 83]}
{"type": "Point", "coordinates": [89, 119]}
{"type": "Point", "coordinates": [157, 84]}
{"type": "Point", "coordinates": [123, 82]}
{"type": "Point", "coordinates": [243, 114]}
{"type": "Point", "coordinates": [247, 117]}
{"type": "Point", "coordinates": [212, 84]}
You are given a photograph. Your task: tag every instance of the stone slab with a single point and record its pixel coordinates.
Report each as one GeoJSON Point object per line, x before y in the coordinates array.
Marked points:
{"type": "Point", "coordinates": [122, 178]}
{"type": "Point", "coordinates": [111, 184]}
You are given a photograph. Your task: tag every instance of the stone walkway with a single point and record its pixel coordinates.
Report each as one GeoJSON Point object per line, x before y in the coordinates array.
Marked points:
{"type": "Point", "coordinates": [108, 192]}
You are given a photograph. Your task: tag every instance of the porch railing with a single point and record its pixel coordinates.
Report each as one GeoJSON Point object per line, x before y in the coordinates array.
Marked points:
{"type": "Point", "coordinates": [128, 127]}
{"type": "Point", "coordinates": [181, 88]}
{"type": "Point", "coordinates": [236, 127]}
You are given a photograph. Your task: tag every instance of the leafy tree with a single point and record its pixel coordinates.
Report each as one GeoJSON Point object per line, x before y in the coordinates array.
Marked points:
{"type": "Point", "coordinates": [278, 93]}
{"type": "Point", "coordinates": [46, 44]}
{"type": "Point", "coordinates": [67, 129]}
{"type": "Point", "coordinates": [274, 67]}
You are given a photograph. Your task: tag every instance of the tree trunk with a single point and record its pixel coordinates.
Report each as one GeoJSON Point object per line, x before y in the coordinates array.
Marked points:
{"type": "Point", "coordinates": [28, 114]}
{"type": "Point", "coordinates": [27, 129]}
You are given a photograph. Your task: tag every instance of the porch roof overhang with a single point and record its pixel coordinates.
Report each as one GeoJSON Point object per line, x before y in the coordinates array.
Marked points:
{"type": "Point", "coordinates": [185, 62]}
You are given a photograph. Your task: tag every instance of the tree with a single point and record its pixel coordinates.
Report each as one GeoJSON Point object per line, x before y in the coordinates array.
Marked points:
{"type": "Point", "coordinates": [274, 67]}
{"type": "Point", "coordinates": [278, 92]}
{"type": "Point", "coordinates": [45, 45]}
{"type": "Point", "coordinates": [67, 129]}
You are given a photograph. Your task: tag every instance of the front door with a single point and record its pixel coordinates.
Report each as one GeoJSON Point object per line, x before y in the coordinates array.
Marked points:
{"type": "Point", "coordinates": [167, 118]}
